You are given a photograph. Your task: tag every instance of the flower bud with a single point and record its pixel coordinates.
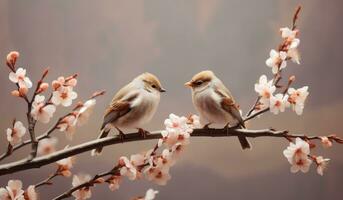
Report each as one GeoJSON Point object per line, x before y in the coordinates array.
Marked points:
{"type": "Point", "coordinates": [12, 57]}
{"type": "Point", "coordinates": [15, 93]}
{"type": "Point", "coordinates": [43, 87]}
{"type": "Point", "coordinates": [56, 84]}
{"type": "Point", "coordinates": [23, 91]}
{"type": "Point", "coordinates": [72, 82]}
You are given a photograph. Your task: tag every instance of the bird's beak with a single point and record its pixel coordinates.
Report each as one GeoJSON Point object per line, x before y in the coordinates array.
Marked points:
{"type": "Point", "coordinates": [162, 90]}
{"type": "Point", "coordinates": [188, 84]}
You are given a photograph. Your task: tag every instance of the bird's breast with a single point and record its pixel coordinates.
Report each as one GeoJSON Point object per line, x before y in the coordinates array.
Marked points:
{"type": "Point", "coordinates": [208, 105]}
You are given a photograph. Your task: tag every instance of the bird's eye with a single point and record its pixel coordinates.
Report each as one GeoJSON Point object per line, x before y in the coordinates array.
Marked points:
{"type": "Point", "coordinates": [198, 82]}
{"type": "Point", "coordinates": [153, 86]}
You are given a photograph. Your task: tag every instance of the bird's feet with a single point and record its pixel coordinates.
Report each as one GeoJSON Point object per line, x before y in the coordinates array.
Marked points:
{"type": "Point", "coordinates": [142, 132]}
{"type": "Point", "coordinates": [121, 135]}
{"type": "Point", "coordinates": [207, 126]}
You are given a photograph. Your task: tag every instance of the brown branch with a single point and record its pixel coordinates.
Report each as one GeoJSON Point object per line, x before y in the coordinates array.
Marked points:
{"type": "Point", "coordinates": [47, 180]}
{"type": "Point", "coordinates": [38, 162]}
{"type": "Point", "coordinates": [88, 184]}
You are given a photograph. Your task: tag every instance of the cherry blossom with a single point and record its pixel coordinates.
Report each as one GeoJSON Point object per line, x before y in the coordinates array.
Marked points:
{"type": "Point", "coordinates": [278, 103]}
{"type": "Point", "coordinates": [166, 159]}
{"type": "Point", "coordinates": [297, 155]}
{"type": "Point", "coordinates": [290, 36]}
{"type": "Point", "coordinates": [15, 134]}
{"type": "Point", "coordinates": [277, 60]}
{"type": "Point", "coordinates": [294, 55]}
{"type": "Point", "coordinates": [43, 87]}
{"type": "Point", "coordinates": [85, 112]}
{"type": "Point", "coordinates": [46, 146]}
{"type": "Point", "coordinates": [67, 125]}
{"type": "Point", "coordinates": [322, 164]}
{"type": "Point", "coordinates": [265, 89]}
{"type": "Point", "coordinates": [127, 168]}
{"type": "Point", "coordinates": [31, 193]}
{"type": "Point", "coordinates": [114, 182]}
{"type": "Point", "coordinates": [20, 77]}
{"type": "Point", "coordinates": [65, 165]}
{"type": "Point", "coordinates": [63, 82]}
{"type": "Point", "coordinates": [40, 111]}
{"type": "Point", "coordinates": [12, 57]}
{"type": "Point", "coordinates": [157, 175]}
{"type": "Point", "coordinates": [13, 191]}
{"type": "Point", "coordinates": [150, 194]}
{"type": "Point", "coordinates": [64, 96]}
{"type": "Point", "coordinates": [83, 193]}
{"type": "Point", "coordinates": [326, 142]}
{"type": "Point", "coordinates": [297, 98]}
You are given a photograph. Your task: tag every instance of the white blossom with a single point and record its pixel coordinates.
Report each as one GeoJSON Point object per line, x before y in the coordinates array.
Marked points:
{"type": "Point", "coordinates": [290, 36]}
{"type": "Point", "coordinates": [15, 134]}
{"type": "Point", "coordinates": [294, 55]}
{"type": "Point", "coordinates": [20, 77]}
{"type": "Point", "coordinates": [297, 155]}
{"type": "Point", "coordinates": [265, 89]}
{"type": "Point", "coordinates": [326, 142]}
{"type": "Point", "coordinates": [31, 193]}
{"type": "Point", "coordinates": [65, 165]}
{"type": "Point", "coordinates": [67, 125]}
{"type": "Point", "coordinates": [85, 112]}
{"type": "Point", "coordinates": [150, 194]}
{"type": "Point", "coordinates": [64, 96]}
{"type": "Point", "coordinates": [278, 103]}
{"type": "Point", "coordinates": [114, 182]}
{"type": "Point", "coordinates": [83, 193]}
{"type": "Point", "coordinates": [277, 60]}
{"type": "Point", "coordinates": [127, 168]}
{"type": "Point", "coordinates": [46, 146]}
{"type": "Point", "coordinates": [13, 191]}
{"type": "Point", "coordinates": [40, 111]}
{"type": "Point", "coordinates": [297, 98]}
{"type": "Point", "coordinates": [322, 164]}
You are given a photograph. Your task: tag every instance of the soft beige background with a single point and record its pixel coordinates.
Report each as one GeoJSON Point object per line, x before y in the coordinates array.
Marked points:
{"type": "Point", "coordinates": [110, 42]}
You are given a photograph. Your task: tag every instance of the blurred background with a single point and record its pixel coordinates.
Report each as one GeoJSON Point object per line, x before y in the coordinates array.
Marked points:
{"type": "Point", "coordinates": [110, 42]}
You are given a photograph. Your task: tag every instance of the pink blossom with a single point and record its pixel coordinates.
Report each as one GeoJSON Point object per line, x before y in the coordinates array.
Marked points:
{"type": "Point", "coordinates": [65, 165]}
{"type": "Point", "coordinates": [67, 125]}
{"type": "Point", "coordinates": [114, 182]}
{"type": "Point", "coordinates": [13, 191]}
{"type": "Point", "coordinates": [12, 57]}
{"type": "Point", "coordinates": [31, 193]}
{"type": "Point", "coordinates": [85, 112]}
{"type": "Point", "coordinates": [20, 77]}
{"type": "Point", "coordinates": [290, 36]}
{"type": "Point", "coordinates": [265, 89]}
{"type": "Point", "coordinates": [278, 103]}
{"type": "Point", "coordinates": [322, 164]}
{"type": "Point", "coordinates": [46, 146]}
{"type": "Point", "coordinates": [63, 96]}
{"type": "Point", "coordinates": [40, 111]}
{"type": "Point", "coordinates": [326, 142]}
{"type": "Point", "coordinates": [297, 155]}
{"type": "Point", "coordinates": [127, 169]}
{"type": "Point", "coordinates": [15, 134]}
{"type": "Point", "coordinates": [277, 60]}
{"type": "Point", "coordinates": [297, 98]}
{"type": "Point", "coordinates": [83, 193]}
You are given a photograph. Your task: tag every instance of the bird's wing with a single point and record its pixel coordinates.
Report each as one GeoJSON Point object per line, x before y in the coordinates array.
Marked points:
{"type": "Point", "coordinates": [229, 105]}
{"type": "Point", "coordinates": [118, 108]}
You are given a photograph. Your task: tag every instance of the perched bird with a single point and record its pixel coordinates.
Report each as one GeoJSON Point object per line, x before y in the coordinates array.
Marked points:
{"type": "Point", "coordinates": [215, 103]}
{"type": "Point", "coordinates": [133, 106]}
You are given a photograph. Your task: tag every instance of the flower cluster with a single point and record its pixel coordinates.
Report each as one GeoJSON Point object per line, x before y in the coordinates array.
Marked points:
{"type": "Point", "coordinates": [151, 165]}
{"type": "Point", "coordinates": [14, 191]}
{"type": "Point", "coordinates": [298, 155]}
{"type": "Point", "coordinates": [278, 61]}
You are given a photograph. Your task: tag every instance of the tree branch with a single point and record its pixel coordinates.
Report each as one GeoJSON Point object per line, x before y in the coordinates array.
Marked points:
{"type": "Point", "coordinates": [38, 162]}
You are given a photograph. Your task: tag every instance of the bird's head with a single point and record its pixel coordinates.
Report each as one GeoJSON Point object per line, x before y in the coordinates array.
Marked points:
{"type": "Point", "coordinates": [201, 80]}
{"type": "Point", "coordinates": [151, 83]}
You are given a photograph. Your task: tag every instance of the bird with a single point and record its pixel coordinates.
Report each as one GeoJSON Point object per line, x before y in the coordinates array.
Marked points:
{"type": "Point", "coordinates": [132, 106]}
{"type": "Point", "coordinates": [215, 103]}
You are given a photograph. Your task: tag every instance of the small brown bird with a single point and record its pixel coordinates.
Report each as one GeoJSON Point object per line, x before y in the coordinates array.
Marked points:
{"type": "Point", "coordinates": [215, 103]}
{"type": "Point", "coordinates": [133, 106]}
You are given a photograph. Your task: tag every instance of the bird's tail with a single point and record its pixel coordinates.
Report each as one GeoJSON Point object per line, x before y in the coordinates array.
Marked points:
{"type": "Point", "coordinates": [245, 144]}
{"type": "Point", "coordinates": [104, 132]}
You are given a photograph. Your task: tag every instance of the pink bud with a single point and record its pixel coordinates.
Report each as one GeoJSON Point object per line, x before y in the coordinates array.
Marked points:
{"type": "Point", "coordinates": [15, 93]}
{"type": "Point", "coordinates": [23, 91]}
{"type": "Point", "coordinates": [43, 87]}
{"type": "Point", "coordinates": [12, 57]}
